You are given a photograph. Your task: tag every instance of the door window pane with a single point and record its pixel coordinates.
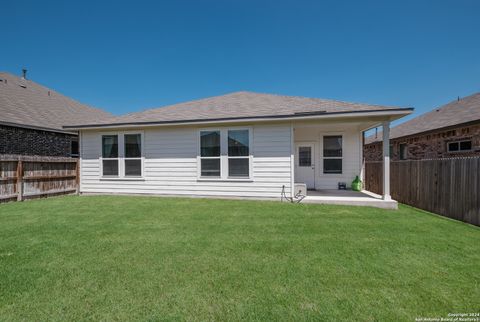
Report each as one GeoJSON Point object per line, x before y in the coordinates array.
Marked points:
{"type": "Point", "coordinates": [238, 167]}
{"type": "Point", "coordinates": [133, 168]}
{"type": "Point", "coordinates": [133, 146]}
{"type": "Point", "coordinates": [110, 167]}
{"type": "Point", "coordinates": [238, 143]}
{"type": "Point", "coordinates": [305, 156]}
{"type": "Point", "coordinates": [332, 166]}
{"type": "Point", "coordinates": [210, 167]}
{"type": "Point", "coordinates": [332, 146]}
{"type": "Point", "coordinates": [210, 143]}
{"type": "Point", "coordinates": [110, 146]}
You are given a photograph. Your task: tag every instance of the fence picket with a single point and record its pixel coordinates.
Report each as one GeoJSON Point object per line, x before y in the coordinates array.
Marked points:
{"type": "Point", "coordinates": [23, 177]}
{"type": "Point", "coordinates": [448, 187]}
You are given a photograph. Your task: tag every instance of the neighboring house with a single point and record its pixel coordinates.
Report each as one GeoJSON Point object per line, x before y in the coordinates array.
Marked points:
{"type": "Point", "coordinates": [238, 145]}
{"type": "Point", "coordinates": [32, 116]}
{"type": "Point", "coordinates": [452, 130]}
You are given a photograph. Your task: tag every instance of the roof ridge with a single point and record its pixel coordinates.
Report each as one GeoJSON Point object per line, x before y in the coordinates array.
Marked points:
{"type": "Point", "coordinates": [418, 119]}
{"type": "Point", "coordinates": [323, 100]}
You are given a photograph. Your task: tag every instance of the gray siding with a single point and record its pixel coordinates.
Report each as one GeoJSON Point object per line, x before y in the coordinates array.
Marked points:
{"type": "Point", "coordinates": [171, 165]}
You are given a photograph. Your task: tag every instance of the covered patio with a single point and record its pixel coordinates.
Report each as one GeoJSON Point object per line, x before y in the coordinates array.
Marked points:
{"type": "Point", "coordinates": [329, 156]}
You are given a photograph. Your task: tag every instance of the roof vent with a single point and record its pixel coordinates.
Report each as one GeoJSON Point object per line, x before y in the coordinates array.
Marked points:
{"type": "Point", "coordinates": [24, 73]}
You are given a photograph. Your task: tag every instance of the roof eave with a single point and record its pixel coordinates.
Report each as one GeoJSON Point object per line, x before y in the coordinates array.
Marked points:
{"type": "Point", "coordinates": [38, 128]}
{"type": "Point", "coordinates": [391, 113]}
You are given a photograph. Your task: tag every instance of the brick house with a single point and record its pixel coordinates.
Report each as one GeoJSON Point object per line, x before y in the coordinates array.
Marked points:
{"type": "Point", "coordinates": [32, 118]}
{"type": "Point", "coordinates": [452, 130]}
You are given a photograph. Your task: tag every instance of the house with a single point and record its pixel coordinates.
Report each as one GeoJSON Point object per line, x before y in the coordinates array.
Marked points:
{"type": "Point", "coordinates": [243, 144]}
{"type": "Point", "coordinates": [452, 130]}
{"type": "Point", "coordinates": [32, 118]}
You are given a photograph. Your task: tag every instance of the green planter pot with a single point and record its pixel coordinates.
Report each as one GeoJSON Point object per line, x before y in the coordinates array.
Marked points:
{"type": "Point", "coordinates": [357, 184]}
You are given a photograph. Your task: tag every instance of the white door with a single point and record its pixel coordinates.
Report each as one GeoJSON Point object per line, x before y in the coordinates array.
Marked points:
{"type": "Point", "coordinates": [305, 164]}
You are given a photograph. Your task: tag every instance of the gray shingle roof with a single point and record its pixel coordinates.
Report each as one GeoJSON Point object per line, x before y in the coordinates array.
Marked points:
{"type": "Point", "coordinates": [456, 112]}
{"type": "Point", "coordinates": [240, 105]}
{"type": "Point", "coordinates": [27, 103]}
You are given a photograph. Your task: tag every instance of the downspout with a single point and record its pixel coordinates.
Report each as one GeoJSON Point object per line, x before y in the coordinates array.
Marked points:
{"type": "Point", "coordinates": [292, 161]}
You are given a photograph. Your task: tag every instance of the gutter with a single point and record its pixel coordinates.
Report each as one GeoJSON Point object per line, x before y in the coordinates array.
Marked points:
{"type": "Point", "coordinates": [289, 117]}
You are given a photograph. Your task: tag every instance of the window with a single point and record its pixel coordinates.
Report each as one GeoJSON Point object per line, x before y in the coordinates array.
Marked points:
{"type": "Point", "coordinates": [74, 147]}
{"type": "Point", "coordinates": [304, 156]}
{"type": "Point", "coordinates": [403, 151]}
{"type": "Point", "coordinates": [210, 153]}
{"type": "Point", "coordinates": [110, 155]}
{"type": "Point", "coordinates": [238, 153]}
{"type": "Point", "coordinates": [459, 146]}
{"type": "Point", "coordinates": [332, 154]}
{"type": "Point", "coordinates": [225, 153]}
{"type": "Point", "coordinates": [122, 155]}
{"type": "Point", "coordinates": [133, 155]}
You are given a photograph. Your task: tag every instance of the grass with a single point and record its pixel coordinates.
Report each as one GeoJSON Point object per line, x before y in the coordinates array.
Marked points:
{"type": "Point", "coordinates": [144, 258]}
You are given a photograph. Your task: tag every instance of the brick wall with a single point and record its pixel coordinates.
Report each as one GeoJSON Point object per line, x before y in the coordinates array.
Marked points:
{"type": "Point", "coordinates": [428, 146]}
{"type": "Point", "coordinates": [17, 140]}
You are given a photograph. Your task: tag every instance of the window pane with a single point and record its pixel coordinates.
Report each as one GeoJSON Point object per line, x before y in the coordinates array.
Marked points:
{"type": "Point", "coordinates": [74, 147]}
{"type": "Point", "coordinates": [210, 167]}
{"type": "Point", "coordinates": [133, 168]}
{"type": "Point", "coordinates": [305, 156]}
{"type": "Point", "coordinates": [466, 145]}
{"type": "Point", "coordinates": [332, 146]}
{"type": "Point", "coordinates": [403, 151]}
{"type": "Point", "coordinates": [332, 166]}
{"type": "Point", "coordinates": [238, 144]}
{"type": "Point", "coordinates": [133, 146]}
{"type": "Point", "coordinates": [210, 143]}
{"type": "Point", "coordinates": [110, 146]}
{"type": "Point", "coordinates": [453, 146]}
{"type": "Point", "coordinates": [238, 167]}
{"type": "Point", "coordinates": [110, 167]}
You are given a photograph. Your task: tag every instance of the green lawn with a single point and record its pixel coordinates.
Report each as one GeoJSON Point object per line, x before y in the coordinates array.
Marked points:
{"type": "Point", "coordinates": [147, 258]}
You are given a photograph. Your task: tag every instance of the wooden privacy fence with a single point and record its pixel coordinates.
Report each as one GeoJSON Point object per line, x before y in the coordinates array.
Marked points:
{"type": "Point", "coordinates": [448, 187]}
{"type": "Point", "coordinates": [25, 177]}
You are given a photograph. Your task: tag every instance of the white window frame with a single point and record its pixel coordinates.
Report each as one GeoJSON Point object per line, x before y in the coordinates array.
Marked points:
{"type": "Point", "coordinates": [200, 158]}
{"type": "Point", "coordinates": [224, 157]}
{"type": "Point", "coordinates": [121, 156]}
{"type": "Point", "coordinates": [459, 143]}
{"type": "Point", "coordinates": [328, 158]}
{"type": "Point", "coordinates": [108, 159]}
{"type": "Point", "coordinates": [135, 158]}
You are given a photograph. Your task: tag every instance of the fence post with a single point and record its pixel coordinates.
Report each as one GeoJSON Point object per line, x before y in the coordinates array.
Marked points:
{"type": "Point", "coordinates": [77, 176]}
{"type": "Point", "coordinates": [19, 180]}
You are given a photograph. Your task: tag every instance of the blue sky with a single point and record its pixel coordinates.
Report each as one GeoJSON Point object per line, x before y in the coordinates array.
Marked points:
{"type": "Point", "coordinates": [128, 56]}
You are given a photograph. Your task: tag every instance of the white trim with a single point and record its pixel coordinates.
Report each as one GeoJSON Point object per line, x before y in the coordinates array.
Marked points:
{"type": "Point", "coordinates": [121, 155]}
{"type": "Point", "coordinates": [386, 161]}
{"type": "Point", "coordinates": [393, 114]}
{"type": "Point", "coordinates": [459, 142]}
{"type": "Point", "coordinates": [323, 135]}
{"type": "Point", "coordinates": [292, 160]}
{"type": "Point", "coordinates": [224, 157]}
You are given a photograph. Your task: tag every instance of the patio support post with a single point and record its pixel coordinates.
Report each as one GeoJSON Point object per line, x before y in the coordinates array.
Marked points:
{"type": "Point", "coordinates": [386, 160]}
